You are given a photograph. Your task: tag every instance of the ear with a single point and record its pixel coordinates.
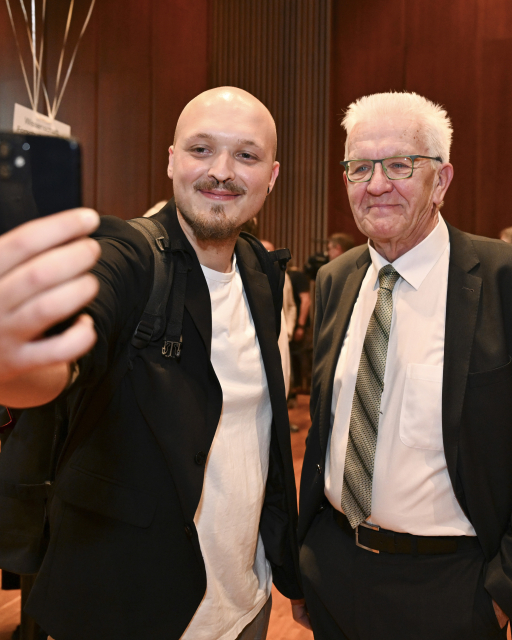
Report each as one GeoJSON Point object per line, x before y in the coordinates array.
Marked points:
{"type": "Point", "coordinates": [345, 180]}
{"type": "Point", "coordinates": [275, 173]}
{"type": "Point", "coordinates": [170, 168]}
{"type": "Point", "coordinates": [444, 178]}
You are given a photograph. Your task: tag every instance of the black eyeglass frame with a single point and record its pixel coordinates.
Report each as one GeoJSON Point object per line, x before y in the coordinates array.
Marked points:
{"type": "Point", "coordinates": [413, 158]}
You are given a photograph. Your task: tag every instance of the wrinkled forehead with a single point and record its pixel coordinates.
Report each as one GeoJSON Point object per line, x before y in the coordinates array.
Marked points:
{"type": "Point", "coordinates": [386, 136]}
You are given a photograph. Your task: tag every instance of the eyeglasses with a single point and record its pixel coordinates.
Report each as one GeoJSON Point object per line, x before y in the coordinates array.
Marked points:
{"type": "Point", "coordinates": [395, 168]}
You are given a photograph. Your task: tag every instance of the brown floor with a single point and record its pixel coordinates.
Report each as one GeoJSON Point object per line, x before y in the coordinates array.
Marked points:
{"type": "Point", "coordinates": [9, 613]}
{"type": "Point", "coordinates": [282, 626]}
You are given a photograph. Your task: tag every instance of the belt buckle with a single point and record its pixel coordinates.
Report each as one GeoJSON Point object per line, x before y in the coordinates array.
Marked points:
{"type": "Point", "coordinates": [366, 525]}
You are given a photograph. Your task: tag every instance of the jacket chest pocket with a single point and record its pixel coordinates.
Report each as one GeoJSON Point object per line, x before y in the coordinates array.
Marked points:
{"type": "Point", "coordinates": [420, 415]}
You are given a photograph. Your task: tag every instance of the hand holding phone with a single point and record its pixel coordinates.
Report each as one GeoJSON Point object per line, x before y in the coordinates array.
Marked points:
{"type": "Point", "coordinates": [44, 264]}
{"type": "Point", "coordinates": [39, 175]}
{"type": "Point", "coordinates": [44, 279]}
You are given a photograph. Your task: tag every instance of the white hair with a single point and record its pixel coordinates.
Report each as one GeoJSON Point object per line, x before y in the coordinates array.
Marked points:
{"type": "Point", "coordinates": [433, 119]}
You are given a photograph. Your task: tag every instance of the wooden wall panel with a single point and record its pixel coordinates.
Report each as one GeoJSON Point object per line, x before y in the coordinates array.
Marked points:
{"type": "Point", "coordinates": [493, 204]}
{"type": "Point", "coordinates": [494, 94]}
{"type": "Point", "coordinates": [458, 54]}
{"type": "Point", "coordinates": [367, 56]}
{"type": "Point", "coordinates": [442, 66]}
{"type": "Point", "coordinates": [179, 72]}
{"type": "Point", "coordinates": [278, 51]}
{"type": "Point", "coordinates": [495, 20]}
{"type": "Point", "coordinates": [124, 107]}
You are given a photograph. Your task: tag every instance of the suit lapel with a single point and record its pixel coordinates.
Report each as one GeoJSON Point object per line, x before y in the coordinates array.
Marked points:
{"type": "Point", "coordinates": [261, 304]}
{"type": "Point", "coordinates": [463, 299]}
{"type": "Point", "coordinates": [343, 314]}
{"type": "Point", "coordinates": [198, 304]}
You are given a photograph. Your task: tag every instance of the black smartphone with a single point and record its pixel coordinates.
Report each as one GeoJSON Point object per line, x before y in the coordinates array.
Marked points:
{"type": "Point", "coordinates": [39, 175]}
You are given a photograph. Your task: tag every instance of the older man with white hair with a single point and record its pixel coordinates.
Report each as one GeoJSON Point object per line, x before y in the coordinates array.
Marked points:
{"type": "Point", "coordinates": [406, 492]}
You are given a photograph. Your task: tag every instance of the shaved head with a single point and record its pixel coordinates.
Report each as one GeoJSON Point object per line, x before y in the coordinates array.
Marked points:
{"type": "Point", "coordinates": [222, 165]}
{"type": "Point", "coordinates": [234, 99]}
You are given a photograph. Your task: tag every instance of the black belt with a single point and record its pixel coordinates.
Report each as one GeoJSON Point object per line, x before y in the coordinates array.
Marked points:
{"type": "Point", "coordinates": [373, 538]}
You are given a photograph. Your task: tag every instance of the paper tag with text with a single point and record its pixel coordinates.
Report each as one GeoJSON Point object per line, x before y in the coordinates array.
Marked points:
{"type": "Point", "coordinates": [28, 121]}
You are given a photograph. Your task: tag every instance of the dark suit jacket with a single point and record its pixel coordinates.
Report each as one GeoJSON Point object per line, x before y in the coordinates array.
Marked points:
{"type": "Point", "coordinates": [124, 560]}
{"type": "Point", "coordinates": [477, 389]}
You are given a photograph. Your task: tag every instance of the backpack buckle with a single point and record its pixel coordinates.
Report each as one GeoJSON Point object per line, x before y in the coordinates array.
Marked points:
{"type": "Point", "coordinates": [143, 334]}
{"type": "Point", "coordinates": [171, 349]}
{"type": "Point", "coordinates": [162, 244]}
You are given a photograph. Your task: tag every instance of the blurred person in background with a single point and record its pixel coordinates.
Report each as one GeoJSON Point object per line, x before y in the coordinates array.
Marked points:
{"type": "Point", "coordinates": [155, 209]}
{"type": "Point", "coordinates": [288, 318]}
{"type": "Point", "coordinates": [299, 344]}
{"type": "Point", "coordinates": [506, 235]}
{"type": "Point", "coordinates": [251, 226]}
{"type": "Point", "coordinates": [338, 243]}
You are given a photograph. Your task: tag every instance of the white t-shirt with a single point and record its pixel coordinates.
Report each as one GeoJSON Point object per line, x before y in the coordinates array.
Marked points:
{"type": "Point", "coordinates": [239, 578]}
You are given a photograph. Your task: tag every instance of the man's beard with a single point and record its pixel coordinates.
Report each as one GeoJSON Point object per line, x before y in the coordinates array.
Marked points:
{"type": "Point", "coordinates": [211, 225]}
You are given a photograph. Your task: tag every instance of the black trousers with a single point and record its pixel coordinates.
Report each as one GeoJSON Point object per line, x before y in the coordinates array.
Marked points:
{"type": "Point", "coordinates": [354, 594]}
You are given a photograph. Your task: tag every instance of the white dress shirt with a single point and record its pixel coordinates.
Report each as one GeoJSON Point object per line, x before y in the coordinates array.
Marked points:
{"type": "Point", "coordinates": [411, 489]}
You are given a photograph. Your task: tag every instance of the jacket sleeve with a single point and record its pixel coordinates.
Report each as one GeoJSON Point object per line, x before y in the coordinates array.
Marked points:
{"type": "Point", "coordinates": [498, 575]}
{"type": "Point", "coordinates": [124, 272]}
{"type": "Point", "coordinates": [498, 571]}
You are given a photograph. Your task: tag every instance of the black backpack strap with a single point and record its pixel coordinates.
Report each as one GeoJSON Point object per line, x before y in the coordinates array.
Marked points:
{"type": "Point", "coordinates": [173, 338]}
{"type": "Point", "coordinates": [273, 264]}
{"type": "Point", "coordinates": [152, 321]}
{"type": "Point", "coordinates": [151, 324]}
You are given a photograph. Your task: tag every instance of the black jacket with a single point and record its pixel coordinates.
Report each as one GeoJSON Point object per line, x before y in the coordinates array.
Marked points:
{"type": "Point", "coordinates": [124, 560]}
{"type": "Point", "coordinates": [477, 390]}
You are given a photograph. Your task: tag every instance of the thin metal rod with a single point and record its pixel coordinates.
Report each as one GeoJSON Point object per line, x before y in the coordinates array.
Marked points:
{"type": "Point", "coordinates": [62, 51]}
{"type": "Point", "coordinates": [33, 100]}
{"type": "Point", "coordinates": [72, 61]}
{"type": "Point", "coordinates": [30, 97]}
{"type": "Point", "coordinates": [40, 61]}
{"type": "Point", "coordinates": [34, 70]}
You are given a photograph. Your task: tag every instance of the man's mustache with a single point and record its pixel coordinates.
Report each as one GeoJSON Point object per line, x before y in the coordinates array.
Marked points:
{"type": "Point", "coordinates": [208, 185]}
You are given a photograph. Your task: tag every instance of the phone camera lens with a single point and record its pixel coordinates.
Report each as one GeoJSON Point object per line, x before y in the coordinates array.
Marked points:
{"type": "Point", "coordinates": [5, 171]}
{"type": "Point", "coordinates": [5, 149]}
{"type": "Point", "coordinates": [25, 146]}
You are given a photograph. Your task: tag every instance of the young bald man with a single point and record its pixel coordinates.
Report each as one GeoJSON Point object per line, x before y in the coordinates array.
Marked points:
{"type": "Point", "coordinates": [178, 509]}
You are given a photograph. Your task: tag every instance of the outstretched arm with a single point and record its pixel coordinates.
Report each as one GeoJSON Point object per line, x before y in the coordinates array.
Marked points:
{"type": "Point", "coordinates": [43, 281]}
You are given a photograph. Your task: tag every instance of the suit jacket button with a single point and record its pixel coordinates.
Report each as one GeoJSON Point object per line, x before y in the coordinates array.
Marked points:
{"type": "Point", "coordinates": [319, 468]}
{"type": "Point", "coordinates": [188, 531]}
{"type": "Point", "coordinates": [200, 458]}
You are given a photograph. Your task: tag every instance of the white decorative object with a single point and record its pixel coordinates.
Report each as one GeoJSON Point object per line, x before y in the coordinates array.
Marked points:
{"type": "Point", "coordinates": [29, 121]}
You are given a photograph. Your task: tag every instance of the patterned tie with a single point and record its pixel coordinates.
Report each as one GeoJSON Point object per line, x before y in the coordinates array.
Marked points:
{"type": "Point", "coordinates": [356, 495]}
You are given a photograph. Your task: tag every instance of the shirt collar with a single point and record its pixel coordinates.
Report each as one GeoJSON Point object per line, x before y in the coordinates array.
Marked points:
{"type": "Point", "coordinates": [415, 265]}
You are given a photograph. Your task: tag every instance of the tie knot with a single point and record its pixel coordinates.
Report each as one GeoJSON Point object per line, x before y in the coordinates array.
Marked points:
{"type": "Point", "coordinates": [388, 277]}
